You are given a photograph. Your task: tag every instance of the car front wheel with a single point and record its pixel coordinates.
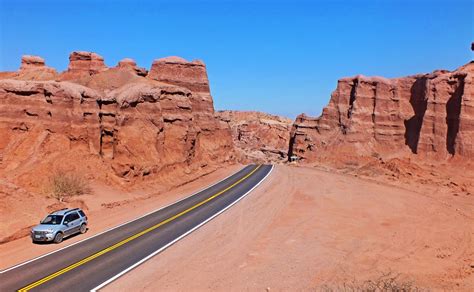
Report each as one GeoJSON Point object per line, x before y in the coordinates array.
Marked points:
{"type": "Point", "coordinates": [58, 238]}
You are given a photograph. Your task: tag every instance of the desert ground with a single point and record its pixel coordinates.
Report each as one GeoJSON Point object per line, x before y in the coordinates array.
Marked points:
{"type": "Point", "coordinates": [306, 228]}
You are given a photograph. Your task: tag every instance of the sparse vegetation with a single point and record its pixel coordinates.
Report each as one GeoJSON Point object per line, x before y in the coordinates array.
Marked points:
{"type": "Point", "coordinates": [64, 184]}
{"type": "Point", "coordinates": [387, 282]}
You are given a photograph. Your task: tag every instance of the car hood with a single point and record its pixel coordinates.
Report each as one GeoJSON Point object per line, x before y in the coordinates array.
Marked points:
{"type": "Point", "coordinates": [44, 227]}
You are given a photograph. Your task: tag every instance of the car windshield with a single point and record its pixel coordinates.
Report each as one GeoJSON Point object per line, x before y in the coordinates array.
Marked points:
{"type": "Point", "coordinates": [52, 220]}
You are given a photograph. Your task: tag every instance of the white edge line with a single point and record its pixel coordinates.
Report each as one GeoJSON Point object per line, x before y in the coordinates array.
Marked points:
{"type": "Point", "coordinates": [120, 225]}
{"type": "Point", "coordinates": [177, 239]}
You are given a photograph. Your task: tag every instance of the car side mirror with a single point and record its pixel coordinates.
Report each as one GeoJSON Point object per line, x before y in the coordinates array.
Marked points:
{"type": "Point", "coordinates": [66, 223]}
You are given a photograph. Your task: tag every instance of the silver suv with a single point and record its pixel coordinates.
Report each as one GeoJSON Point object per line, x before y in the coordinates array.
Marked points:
{"type": "Point", "coordinates": [60, 224]}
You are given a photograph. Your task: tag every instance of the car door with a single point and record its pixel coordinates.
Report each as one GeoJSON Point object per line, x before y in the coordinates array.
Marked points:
{"type": "Point", "coordinates": [69, 224]}
{"type": "Point", "coordinates": [76, 222]}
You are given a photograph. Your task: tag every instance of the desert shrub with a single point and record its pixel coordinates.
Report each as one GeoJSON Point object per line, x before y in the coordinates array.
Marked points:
{"type": "Point", "coordinates": [388, 282]}
{"type": "Point", "coordinates": [67, 184]}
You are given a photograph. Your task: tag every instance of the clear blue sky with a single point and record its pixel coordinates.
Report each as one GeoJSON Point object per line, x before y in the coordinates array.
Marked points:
{"type": "Point", "coordinates": [281, 57]}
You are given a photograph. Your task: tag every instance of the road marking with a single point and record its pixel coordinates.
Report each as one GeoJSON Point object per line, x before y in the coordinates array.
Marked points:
{"type": "Point", "coordinates": [107, 282]}
{"type": "Point", "coordinates": [115, 227]}
{"type": "Point", "coordinates": [110, 248]}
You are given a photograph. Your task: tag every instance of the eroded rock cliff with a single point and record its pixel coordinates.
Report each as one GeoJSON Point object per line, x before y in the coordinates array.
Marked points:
{"type": "Point", "coordinates": [258, 137]}
{"type": "Point", "coordinates": [431, 115]}
{"type": "Point", "coordinates": [111, 123]}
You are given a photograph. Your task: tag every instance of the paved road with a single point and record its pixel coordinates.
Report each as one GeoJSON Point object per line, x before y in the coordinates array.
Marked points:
{"type": "Point", "coordinates": [88, 264]}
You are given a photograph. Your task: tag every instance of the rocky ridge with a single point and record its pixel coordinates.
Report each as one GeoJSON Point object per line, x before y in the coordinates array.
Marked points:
{"type": "Point", "coordinates": [114, 124]}
{"type": "Point", "coordinates": [430, 115]}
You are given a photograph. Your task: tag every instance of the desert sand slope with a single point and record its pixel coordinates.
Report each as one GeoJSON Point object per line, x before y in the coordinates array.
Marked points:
{"type": "Point", "coordinates": [305, 228]}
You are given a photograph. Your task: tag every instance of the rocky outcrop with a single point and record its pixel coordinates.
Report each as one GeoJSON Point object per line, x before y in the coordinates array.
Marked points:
{"type": "Point", "coordinates": [178, 71]}
{"type": "Point", "coordinates": [31, 68]}
{"type": "Point", "coordinates": [130, 64]}
{"type": "Point", "coordinates": [88, 62]}
{"type": "Point", "coordinates": [190, 75]}
{"type": "Point", "coordinates": [31, 62]}
{"type": "Point", "coordinates": [125, 129]}
{"type": "Point", "coordinates": [83, 65]}
{"type": "Point", "coordinates": [430, 115]}
{"type": "Point", "coordinates": [258, 137]}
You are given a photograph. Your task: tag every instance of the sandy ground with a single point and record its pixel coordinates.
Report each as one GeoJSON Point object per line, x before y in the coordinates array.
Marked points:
{"type": "Point", "coordinates": [305, 228]}
{"type": "Point", "coordinates": [108, 207]}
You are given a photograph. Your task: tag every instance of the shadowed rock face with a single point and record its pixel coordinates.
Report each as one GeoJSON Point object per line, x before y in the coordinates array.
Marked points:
{"type": "Point", "coordinates": [430, 115]}
{"type": "Point", "coordinates": [258, 137]}
{"type": "Point", "coordinates": [122, 123]}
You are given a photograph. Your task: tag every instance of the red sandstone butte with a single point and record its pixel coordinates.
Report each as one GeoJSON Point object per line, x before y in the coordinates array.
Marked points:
{"type": "Point", "coordinates": [428, 114]}
{"type": "Point", "coordinates": [83, 64]}
{"type": "Point", "coordinates": [111, 123]}
{"type": "Point", "coordinates": [31, 68]}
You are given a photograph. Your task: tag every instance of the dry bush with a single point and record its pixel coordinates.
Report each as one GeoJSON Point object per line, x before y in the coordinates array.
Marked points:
{"type": "Point", "coordinates": [388, 282]}
{"type": "Point", "coordinates": [67, 184]}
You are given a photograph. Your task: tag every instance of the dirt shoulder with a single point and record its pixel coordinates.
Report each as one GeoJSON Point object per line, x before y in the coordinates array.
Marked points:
{"type": "Point", "coordinates": [109, 208]}
{"type": "Point", "coordinates": [305, 228]}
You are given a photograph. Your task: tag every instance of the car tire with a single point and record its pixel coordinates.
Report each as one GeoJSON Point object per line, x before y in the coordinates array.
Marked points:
{"type": "Point", "coordinates": [83, 229]}
{"type": "Point", "coordinates": [58, 238]}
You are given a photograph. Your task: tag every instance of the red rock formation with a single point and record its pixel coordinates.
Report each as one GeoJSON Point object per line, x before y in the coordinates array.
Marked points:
{"type": "Point", "coordinates": [123, 125]}
{"type": "Point", "coordinates": [31, 62]}
{"type": "Point", "coordinates": [178, 71]}
{"type": "Point", "coordinates": [130, 64]}
{"type": "Point", "coordinates": [31, 68]}
{"type": "Point", "coordinates": [191, 75]}
{"type": "Point", "coordinates": [83, 65]}
{"type": "Point", "coordinates": [258, 137]}
{"type": "Point", "coordinates": [430, 115]}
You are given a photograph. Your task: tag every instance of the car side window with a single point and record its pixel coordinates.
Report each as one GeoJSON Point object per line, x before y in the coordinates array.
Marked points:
{"type": "Point", "coordinates": [82, 213]}
{"type": "Point", "coordinates": [74, 216]}
{"type": "Point", "coordinates": [68, 218]}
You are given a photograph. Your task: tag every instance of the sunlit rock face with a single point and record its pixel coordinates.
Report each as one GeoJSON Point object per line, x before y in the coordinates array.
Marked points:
{"type": "Point", "coordinates": [430, 115]}
{"type": "Point", "coordinates": [112, 121]}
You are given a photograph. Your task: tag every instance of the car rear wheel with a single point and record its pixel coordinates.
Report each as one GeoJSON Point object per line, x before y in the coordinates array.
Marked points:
{"type": "Point", "coordinates": [58, 238]}
{"type": "Point", "coordinates": [83, 228]}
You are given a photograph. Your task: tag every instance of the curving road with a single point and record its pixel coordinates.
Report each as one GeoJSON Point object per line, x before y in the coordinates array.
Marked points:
{"type": "Point", "coordinates": [93, 263]}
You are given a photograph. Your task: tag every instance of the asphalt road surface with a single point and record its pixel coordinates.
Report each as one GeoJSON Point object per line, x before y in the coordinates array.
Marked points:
{"type": "Point", "coordinates": [90, 264]}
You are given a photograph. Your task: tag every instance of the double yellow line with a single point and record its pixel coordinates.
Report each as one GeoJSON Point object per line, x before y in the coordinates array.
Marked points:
{"type": "Point", "coordinates": [118, 244]}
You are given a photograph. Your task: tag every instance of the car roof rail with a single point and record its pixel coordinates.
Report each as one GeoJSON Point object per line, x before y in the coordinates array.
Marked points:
{"type": "Point", "coordinates": [75, 209]}
{"type": "Point", "coordinates": [58, 210]}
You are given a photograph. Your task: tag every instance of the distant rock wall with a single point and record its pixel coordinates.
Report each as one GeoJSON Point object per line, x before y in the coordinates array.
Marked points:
{"type": "Point", "coordinates": [430, 115]}
{"type": "Point", "coordinates": [258, 137]}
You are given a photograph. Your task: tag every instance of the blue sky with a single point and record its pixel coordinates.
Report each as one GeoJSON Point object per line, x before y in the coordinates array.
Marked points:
{"type": "Point", "coordinates": [281, 57]}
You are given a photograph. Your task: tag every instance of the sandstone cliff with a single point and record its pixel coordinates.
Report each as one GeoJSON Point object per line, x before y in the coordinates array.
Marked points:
{"type": "Point", "coordinates": [114, 124]}
{"type": "Point", "coordinates": [258, 137]}
{"type": "Point", "coordinates": [430, 115]}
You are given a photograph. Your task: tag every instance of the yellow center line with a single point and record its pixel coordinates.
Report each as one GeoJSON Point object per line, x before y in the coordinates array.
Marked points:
{"type": "Point", "coordinates": [118, 244]}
